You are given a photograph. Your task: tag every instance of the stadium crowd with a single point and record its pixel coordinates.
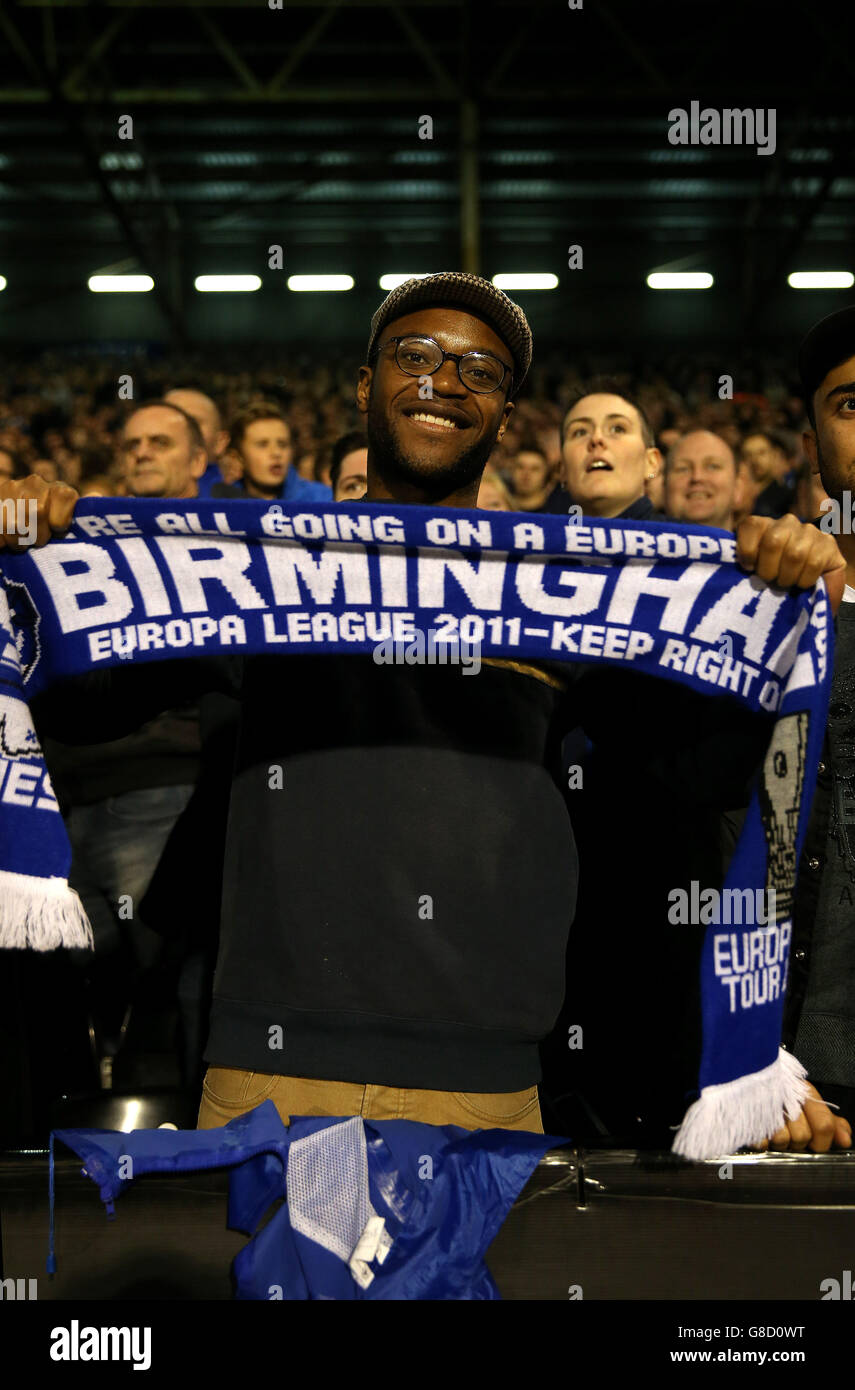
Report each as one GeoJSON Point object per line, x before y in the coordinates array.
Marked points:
{"type": "Point", "coordinates": [145, 810]}
{"type": "Point", "coordinates": [63, 419]}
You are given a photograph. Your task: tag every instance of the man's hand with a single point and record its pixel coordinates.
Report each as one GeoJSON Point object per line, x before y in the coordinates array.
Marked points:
{"type": "Point", "coordinates": [55, 504]}
{"type": "Point", "coordinates": [789, 552]}
{"type": "Point", "coordinates": [816, 1128]}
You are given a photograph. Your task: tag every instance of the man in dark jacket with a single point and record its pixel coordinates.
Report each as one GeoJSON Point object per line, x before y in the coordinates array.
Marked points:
{"type": "Point", "coordinates": [819, 1018]}
{"type": "Point", "coordinates": [414, 977]}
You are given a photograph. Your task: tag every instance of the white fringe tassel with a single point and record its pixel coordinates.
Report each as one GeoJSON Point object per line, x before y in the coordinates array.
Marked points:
{"type": "Point", "coordinates": [741, 1112]}
{"type": "Point", "coordinates": [40, 914]}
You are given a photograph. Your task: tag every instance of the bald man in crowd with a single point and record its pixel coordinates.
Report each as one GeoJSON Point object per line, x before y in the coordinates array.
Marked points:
{"type": "Point", "coordinates": [703, 482]}
{"type": "Point", "coordinates": [204, 411]}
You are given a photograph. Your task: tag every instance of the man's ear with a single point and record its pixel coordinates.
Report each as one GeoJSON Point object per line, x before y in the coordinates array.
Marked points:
{"type": "Point", "coordinates": [363, 389]}
{"type": "Point", "coordinates": [810, 448]}
{"type": "Point", "coordinates": [199, 464]}
{"type": "Point", "coordinates": [222, 444]}
{"type": "Point", "coordinates": [654, 463]}
{"type": "Point", "coordinates": [506, 415]}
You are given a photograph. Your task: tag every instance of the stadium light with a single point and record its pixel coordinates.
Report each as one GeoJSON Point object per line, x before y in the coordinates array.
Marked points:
{"type": "Point", "coordinates": [679, 280]}
{"type": "Point", "coordinates": [2, 282]}
{"type": "Point", "coordinates": [525, 282]}
{"type": "Point", "coordinates": [320, 282]}
{"type": "Point", "coordinates": [211, 283]}
{"type": "Point", "coordinates": [117, 284]}
{"type": "Point", "coordinates": [821, 280]}
{"type": "Point", "coordinates": [391, 282]}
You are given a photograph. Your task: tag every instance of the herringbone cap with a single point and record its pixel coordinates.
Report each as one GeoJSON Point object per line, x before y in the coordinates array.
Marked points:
{"type": "Point", "coordinates": [458, 290]}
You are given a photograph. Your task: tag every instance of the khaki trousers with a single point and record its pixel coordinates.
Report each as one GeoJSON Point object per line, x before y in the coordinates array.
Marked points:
{"type": "Point", "coordinates": [229, 1091]}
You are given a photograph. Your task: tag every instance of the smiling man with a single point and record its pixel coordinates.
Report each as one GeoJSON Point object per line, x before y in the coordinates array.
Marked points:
{"type": "Point", "coordinates": [417, 979]}
{"type": "Point", "coordinates": [608, 454]}
{"type": "Point", "coordinates": [436, 391]}
{"type": "Point", "coordinates": [703, 482]}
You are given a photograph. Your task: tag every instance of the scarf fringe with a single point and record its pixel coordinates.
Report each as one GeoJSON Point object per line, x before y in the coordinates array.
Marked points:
{"type": "Point", "coordinates": [730, 1116]}
{"type": "Point", "coordinates": [41, 914]}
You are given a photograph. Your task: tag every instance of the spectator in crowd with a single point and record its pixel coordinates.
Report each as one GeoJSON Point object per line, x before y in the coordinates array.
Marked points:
{"type": "Point", "coordinates": [97, 485]}
{"type": "Point", "coordinates": [348, 466]}
{"type": "Point", "coordinates": [703, 482]}
{"type": "Point", "coordinates": [530, 479]}
{"type": "Point", "coordinates": [493, 495]}
{"type": "Point", "coordinates": [122, 798]}
{"type": "Point", "coordinates": [231, 467]}
{"type": "Point", "coordinates": [609, 455]}
{"type": "Point", "coordinates": [261, 439]}
{"type": "Point", "coordinates": [819, 1014]}
{"type": "Point", "coordinates": [47, 469]}
{"type": "Point", "coordinates": [163, 451]}
{"type": "Point", "coordinates": [771, 471]}
{"type": "Point", "coordinates": [207, 416]}
{"type": "Point", "coordinates": [8, 465]}
{"type": "Point", "coordinates": [326, 953]}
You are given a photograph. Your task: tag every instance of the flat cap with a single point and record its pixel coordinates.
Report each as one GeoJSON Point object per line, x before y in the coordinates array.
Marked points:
{"type": "Point", "coordinates": [459, 290]}
{"type": "Point", "coordinates": [827, 344]}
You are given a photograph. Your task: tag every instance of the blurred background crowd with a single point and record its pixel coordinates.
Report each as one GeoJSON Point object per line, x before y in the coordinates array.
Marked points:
{"type": "Point", "coordinates": [63, 419]}
{"type": "Point", "coordinates": [146, 814]}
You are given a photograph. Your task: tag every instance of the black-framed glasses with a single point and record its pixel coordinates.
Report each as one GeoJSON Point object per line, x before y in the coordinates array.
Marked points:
{"type": "Point", "coordinates": [478, 371]}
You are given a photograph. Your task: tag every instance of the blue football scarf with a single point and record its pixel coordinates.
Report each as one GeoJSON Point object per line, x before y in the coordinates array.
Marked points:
{"type": "Point", "coordinates": [386, 1209]}
{"type": "Point", "coordinates": [155, 580]}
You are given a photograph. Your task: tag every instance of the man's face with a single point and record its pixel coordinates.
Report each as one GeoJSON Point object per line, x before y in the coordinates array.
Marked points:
{"type": "Point", "coordinates": [158, 454]}
{"type": "Point", "coordinates": [438, 445]}
{"type": "Point", "coordinates": [352, 476]}
{"type": "Point", "coordinates": [206, 415]}
{"type": "Point", "coordinates": [266, 451]}
{"type": "Point", "coordinates": [765, 461]}
{"type": "Point", "coordinates": [831, 447]}
{"type": "Point", "coordinates": [701, 481]}
{"type": "Point", "coordinates": [604, 455]}
{"type": "Point", "coordinates": [529, 473]}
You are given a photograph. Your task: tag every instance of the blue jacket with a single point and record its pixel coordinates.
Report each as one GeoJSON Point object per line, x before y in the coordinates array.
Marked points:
{"type": "Point", "coordinates": [382, 1210]}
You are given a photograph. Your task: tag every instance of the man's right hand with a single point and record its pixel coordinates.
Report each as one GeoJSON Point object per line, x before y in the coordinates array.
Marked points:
{"type": "Point", "coordinates": [54, 502]}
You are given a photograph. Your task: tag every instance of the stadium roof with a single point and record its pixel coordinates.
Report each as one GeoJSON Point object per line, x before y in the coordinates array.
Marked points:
{"type": "Point", "coordinates": [300, 126]}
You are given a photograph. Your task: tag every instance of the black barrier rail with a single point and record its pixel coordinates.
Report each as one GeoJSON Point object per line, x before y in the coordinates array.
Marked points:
{"type": "Point", "coordinates": [589, 1226]}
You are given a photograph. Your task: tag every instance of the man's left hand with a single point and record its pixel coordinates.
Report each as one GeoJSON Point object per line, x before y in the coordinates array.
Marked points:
{"type": "Point", "coordinates": [789, 552]}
